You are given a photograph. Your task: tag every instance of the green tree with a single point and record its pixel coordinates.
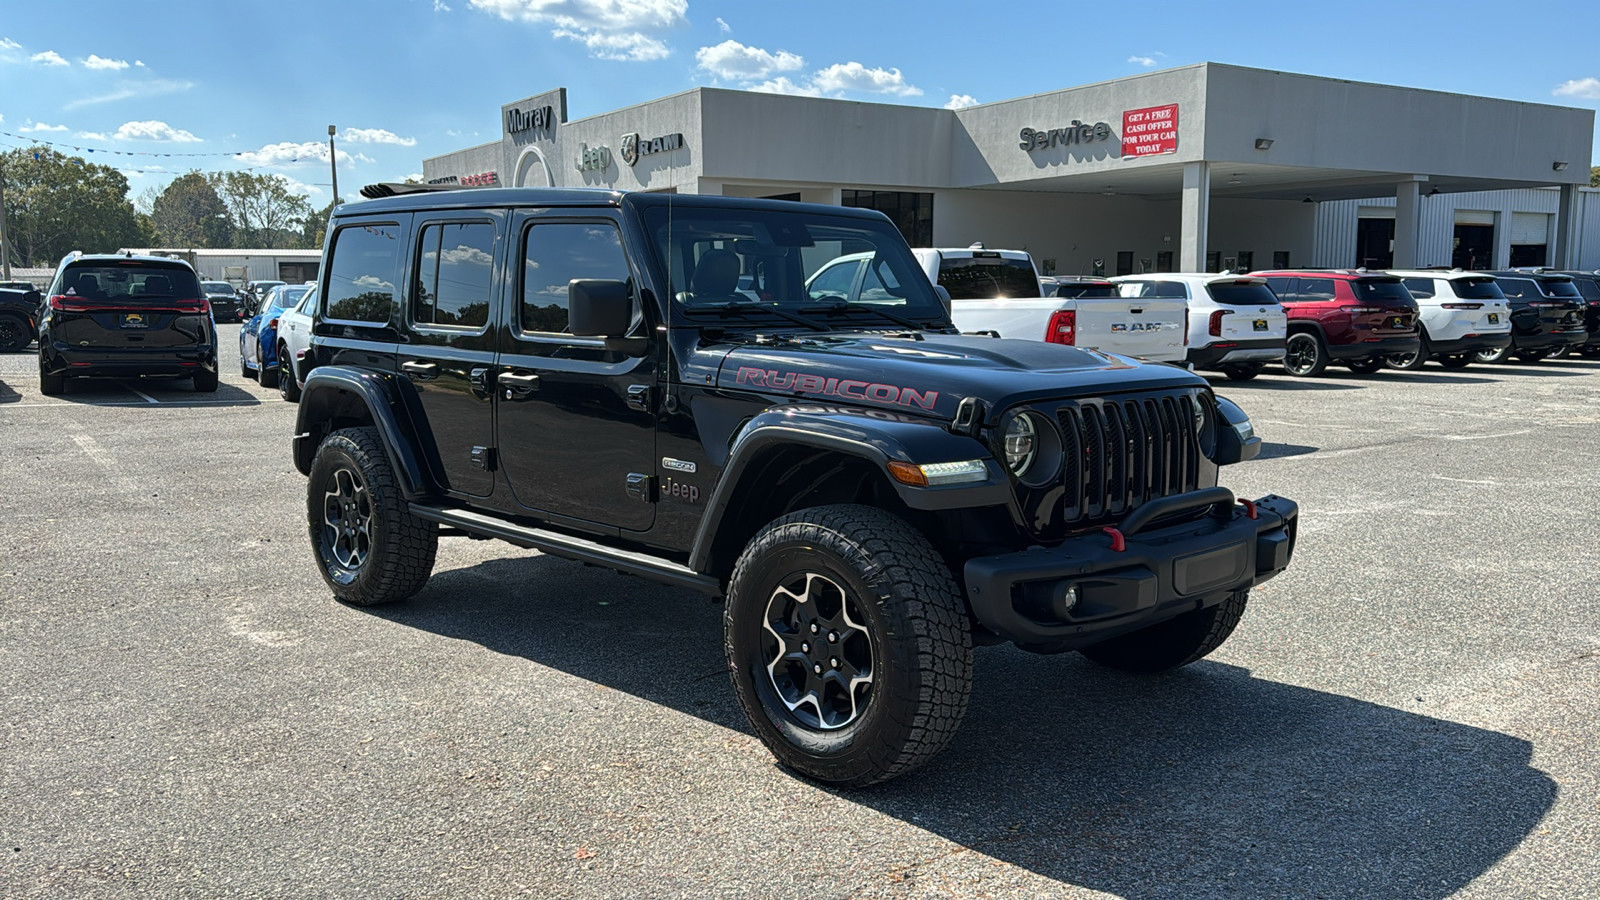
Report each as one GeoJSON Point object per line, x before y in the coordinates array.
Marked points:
{"type": "Point", "coordinates": [188, 213]}
{"type": "Point", "coordinates": [314, 229]}
{"type": "Point", "coordinates": [265, 212]}
{"type": "Point", "coordinates": [57, 203]}
{"type": "Point", "coordinates": [1594, 176]}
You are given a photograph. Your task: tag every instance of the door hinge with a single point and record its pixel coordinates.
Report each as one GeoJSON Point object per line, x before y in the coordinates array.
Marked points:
{"type": "Point", "coordinates": [639, 397]}
{"type": "Point", "coordinates": [642, 487]}
{"type": "Point", "coordinates": [485, 458]}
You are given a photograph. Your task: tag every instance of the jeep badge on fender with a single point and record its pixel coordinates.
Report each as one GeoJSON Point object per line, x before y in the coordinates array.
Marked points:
{"type": "Point", "coordinates": [867, 492]}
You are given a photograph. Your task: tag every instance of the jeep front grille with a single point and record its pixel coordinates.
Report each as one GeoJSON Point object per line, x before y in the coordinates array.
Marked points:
{"type": "Point", "coordinates": [1122, 453]}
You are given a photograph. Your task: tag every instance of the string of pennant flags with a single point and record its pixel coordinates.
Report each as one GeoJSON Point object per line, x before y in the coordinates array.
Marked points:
{"type": "Point", "coordinates": [144, 170]}
{"type": "Point", "coordinates": [234, 154]}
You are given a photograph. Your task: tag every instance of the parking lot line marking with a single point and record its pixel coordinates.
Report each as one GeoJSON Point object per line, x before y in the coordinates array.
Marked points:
{"type": "Point", "coordinates": [176, 404]}
{"type": "Point", "coordinates": [1484, 437]}
{"type": "Point", "coordinates": [141, 393]}
{"type": "Point", "coordinates": [95, 452]}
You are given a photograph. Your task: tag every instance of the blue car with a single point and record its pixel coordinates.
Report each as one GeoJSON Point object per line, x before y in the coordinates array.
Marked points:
{"type": "Point", "coordinates": [258, 339]}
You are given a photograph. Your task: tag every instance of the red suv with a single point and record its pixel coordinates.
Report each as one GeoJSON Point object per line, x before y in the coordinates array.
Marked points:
{"type": "Point", "coordinates": [1348, 316]}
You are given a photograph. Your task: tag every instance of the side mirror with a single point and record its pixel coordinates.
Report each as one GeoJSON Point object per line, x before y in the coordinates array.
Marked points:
{"type": "Point", "coordinates": [602, 309]}
{"type": "Point", "coordinates": [1236, 436]}
{"type": "Point", "coordinates": [944, 296]}
{"type": "Point", "coordinates": [34, 297]}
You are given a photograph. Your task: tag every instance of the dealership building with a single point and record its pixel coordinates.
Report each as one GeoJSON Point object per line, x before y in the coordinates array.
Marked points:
{"type": "Point", "coordinates": [1200, 168]}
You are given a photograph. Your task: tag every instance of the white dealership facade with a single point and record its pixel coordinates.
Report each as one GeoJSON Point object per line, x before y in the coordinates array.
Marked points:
{"type": "Point", "coordinates": [1197, 168]}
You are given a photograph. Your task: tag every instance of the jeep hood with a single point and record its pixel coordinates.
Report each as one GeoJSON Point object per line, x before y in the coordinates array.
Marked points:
{"type": "Point", "coordinates": [933, 375]}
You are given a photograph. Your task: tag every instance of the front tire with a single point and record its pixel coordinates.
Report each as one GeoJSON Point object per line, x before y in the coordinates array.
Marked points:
{"type": "Point", "coordinates": [1304, 355]}
{"type": "Point", "coordinates": [1243, 372]}
{"type": "Point", "coordinates": [369, 547]}
{"type": "Point", "coordinates": [847, 644]}
{"type": "Point", "coordinates": [1174, 643]}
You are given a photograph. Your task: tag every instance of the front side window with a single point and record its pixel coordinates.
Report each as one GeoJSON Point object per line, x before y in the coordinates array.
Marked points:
{"type": "Point", "coordinates": [361, 273]}
{"type": "Point", "coordinates": [1315, 290]}
{"type": "Point", "coordinates": [834, 281]}
{"type": "Point", "coordinates": [455, 262]}
{"type": "Point", "coordinates": [879, 285]}
{"type": "Point", "coordinates": [557, 253]}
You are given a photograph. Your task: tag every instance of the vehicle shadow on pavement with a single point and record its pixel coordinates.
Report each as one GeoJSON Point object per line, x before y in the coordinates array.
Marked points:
{"type": "Point", "coordinates": [8, 394]}
{"type": "Point", "coordinates": [1284, 383]}
{"type": "Point", "coordinates": [1271, 450]}
{"type": "Point", "coordinates": [1202, 782]}
{"type": "Point", "coordinates": [166, 391]}
{"type": "Point", "coordinates": [1540, 370]}
{"type": "Point", "coordinates": [1435, 378]}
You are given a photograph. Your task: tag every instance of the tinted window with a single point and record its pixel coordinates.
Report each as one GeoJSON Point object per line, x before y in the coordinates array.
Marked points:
{"type": "Point", "coordinates": [1085, 289]}
{"type": "Point", "coordinates": [218, 287]}
{"type": "Point", "coordinates": [834, 281]}
{"type": "Point", "coordinates": [287, 297]}
{"type": "Point", "coordinates": [1566, 290]}
{"type": "Point", "coordinates": [131, 282]}
{"type": "Point", "coordinates": [310, 302]}
{"type": "Point", "coordinates": [987, 277]}
{"type": "Point", "coordinates": [1380, 289]}
{"type": "Point", "coordinates": [1420, 287]}
{"type": "Point", "coordinates": [557, 253]}
{"type": "Point", "coordinates": [1283, 287]}
{"type": "Point", "coordinates": [1313, 290]}
{"type": "Point", "coordinates": [1233, 293]}
{"type": "Point", "coordinates": [1171, 290]}
{"type": "Point", "coordinates": [1518, 289]}
{"type": "Point", "coordinates": [454, 265]}
{"type": "Point", "coordinates": [1588, 287]}
{"type": "Point", "coordinates": [1477, 289]}
{"type": "Point", "coordinates": [879, 285]}
{"type": "Point", "coordinates": [361, 275]}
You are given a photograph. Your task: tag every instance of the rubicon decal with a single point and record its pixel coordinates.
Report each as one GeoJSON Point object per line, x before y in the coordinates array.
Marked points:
{"type": "Point", "coordinates": [837, 387]}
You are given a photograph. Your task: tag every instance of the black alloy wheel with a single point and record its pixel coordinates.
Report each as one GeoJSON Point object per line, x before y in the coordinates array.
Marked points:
{"type": "Point", "coordinates": [1304, 355]}
{"type": "Point", "coordinates": [288, 388]}
{"type": "Point", "coordinates": [1493, 356]}
{"type": "Point", "coordinates": [1365, 366]}
{"type": "Point", "coordinates": [847, 644]}
{"type": "Point", "coordinates": [14, 335]}
{"type": "Point", "coordinates": [370, 548]}
{"type": "Point", "coordinates": [1409, 362]}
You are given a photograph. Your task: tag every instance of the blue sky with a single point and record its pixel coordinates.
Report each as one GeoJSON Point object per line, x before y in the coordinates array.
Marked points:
{"type": "Point", "coordinates": [405, 79]}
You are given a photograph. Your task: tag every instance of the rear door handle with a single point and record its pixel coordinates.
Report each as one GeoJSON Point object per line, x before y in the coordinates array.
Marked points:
{"type": "Point", "coordinates": [517, 385]}
{"type": "Point", "coordinates": [422, 371]}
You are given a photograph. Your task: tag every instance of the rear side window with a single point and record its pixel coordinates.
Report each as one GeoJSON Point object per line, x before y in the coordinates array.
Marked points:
{"type": "Point", "coordinates": [1169, 290]}
{"type": "Point", "coordinates": [1242, 293]}
{"type": "Point", "coordinates": [135, 282]}
{"type": "Point", "coordinates": [1380, 289]}
{"type": "Point", "coordinates": [1283, 287]}
{"type": "Point", "coordinates": [1477, 289]}
{"type": "Point", "coordinates": [360, 283]}
{"type": "Point", "coordinates": [455, 262]}
{"type": "Point", "coordinates": [1420, 287]}
{"type": "Point", "coordinates": [988, 277]}
{"type": "Point", "coordinates": [1315, 290]}
{"type": "Point", "coordinates": [289, 297]}
{"type": "Point", "coordinates": [555, 254]}
{"type": "Point", "coordinates": [1518, 289]}
{"type": "Point", "coordinates": [1589, 288]}
{"type": "Point", "coordinates": [1563, 289]}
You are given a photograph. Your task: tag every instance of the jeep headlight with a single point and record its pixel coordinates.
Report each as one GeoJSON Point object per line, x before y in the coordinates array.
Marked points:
{"type": "Point", "coordinates": [1021, 444]}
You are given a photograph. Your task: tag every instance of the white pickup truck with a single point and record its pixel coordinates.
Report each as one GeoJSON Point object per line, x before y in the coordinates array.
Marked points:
{"type": "Point", "coordinates": [1000, 292]}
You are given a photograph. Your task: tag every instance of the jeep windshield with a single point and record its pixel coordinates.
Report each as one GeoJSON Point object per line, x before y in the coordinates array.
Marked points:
{"type": "Point", "coordinates": [753, 263]}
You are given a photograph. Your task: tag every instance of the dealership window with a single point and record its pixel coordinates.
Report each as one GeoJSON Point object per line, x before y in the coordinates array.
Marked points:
{"type": "Point", "coordinates": [1280, 259]}
{"type": "Point", "coordinates": [361, 273]}
{"type": "Point", "coordinates": [453, 272]}
{"type": "Point", "coordinates": [556, 253]}
{"type": "Point", "coordinates": [910, 212]}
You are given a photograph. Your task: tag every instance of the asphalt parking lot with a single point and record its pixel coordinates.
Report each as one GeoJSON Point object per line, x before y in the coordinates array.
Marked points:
{"type": "Point", "coordinates": [1412, 710]}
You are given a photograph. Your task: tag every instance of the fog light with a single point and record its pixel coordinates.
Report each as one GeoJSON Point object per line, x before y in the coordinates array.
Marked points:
{"type": "Point", "coordinates": [1065, 601]}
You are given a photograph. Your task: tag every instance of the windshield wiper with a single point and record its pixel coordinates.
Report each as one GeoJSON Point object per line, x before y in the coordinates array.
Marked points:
{"type": "Point", "coordinates": [754, 306]}
{"type": "Point", "coordinates": [847, 307]}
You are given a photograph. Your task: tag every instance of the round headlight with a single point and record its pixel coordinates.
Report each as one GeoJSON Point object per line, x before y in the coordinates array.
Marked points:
{"type": "Point", "coordinates": [1022, 444]}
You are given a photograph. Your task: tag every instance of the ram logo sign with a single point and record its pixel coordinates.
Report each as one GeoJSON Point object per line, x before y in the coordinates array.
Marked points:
{"type": "Point", "coordinates": [1141, 326]}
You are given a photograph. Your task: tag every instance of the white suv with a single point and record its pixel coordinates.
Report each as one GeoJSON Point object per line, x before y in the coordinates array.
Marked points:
{"type": "Point", "coordinates": [1461, 313]}
{"type": "Point", "coordinates": [1235, 323]}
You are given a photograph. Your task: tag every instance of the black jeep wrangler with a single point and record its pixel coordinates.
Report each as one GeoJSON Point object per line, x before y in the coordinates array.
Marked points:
{"type": "Point", "coordinates": [643, 382]}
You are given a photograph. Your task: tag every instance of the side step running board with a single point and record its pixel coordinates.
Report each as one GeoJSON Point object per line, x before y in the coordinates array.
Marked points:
{"type": "Point", "coordinates": [569, 547]}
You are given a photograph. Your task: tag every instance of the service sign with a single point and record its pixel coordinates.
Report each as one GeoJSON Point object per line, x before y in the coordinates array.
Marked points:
{"type": "Point", "coordinates": [1150, 132]}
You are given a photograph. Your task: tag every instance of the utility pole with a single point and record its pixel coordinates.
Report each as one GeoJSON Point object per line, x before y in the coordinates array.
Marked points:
{"type": "Point", "coordinates": [333, 162]}
{"type": "Point", "coordinates": [5, 245]}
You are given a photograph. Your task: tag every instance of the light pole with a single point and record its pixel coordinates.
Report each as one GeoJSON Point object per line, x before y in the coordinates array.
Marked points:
{"type": "Point", "coordinates": [333, 163]}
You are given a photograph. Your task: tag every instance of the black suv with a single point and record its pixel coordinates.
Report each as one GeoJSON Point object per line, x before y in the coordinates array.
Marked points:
{"type": "Point", "coordinates": [19, 319]}
{"type": "Point", "coordinates": [1588, 285]}
{"type": "Point", "coordinates": [126, 315]}
{"type": "Point", "coordinates": [1547, 315]}
{"type": "Point", "coordinates": [642, 382]}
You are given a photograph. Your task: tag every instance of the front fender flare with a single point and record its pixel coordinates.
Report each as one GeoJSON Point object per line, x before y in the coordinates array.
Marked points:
{"type": "Point", "coordinates": [335, 394]}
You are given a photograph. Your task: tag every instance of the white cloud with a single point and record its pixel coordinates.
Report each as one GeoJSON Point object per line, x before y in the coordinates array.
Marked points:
{"type": "Point", "coordinates": [96, 62]}
{"type": "Point", "coordinates": [292, 154]}
{"type": "Point", "coordinates": [611, 29]}
{"type": "Point", "coordinates": [414, 176]}
{"type": "Point", "coordinates": [376, 136]}
{"type": "Point", "coordinates": [960, 101]}
{"type": "Point", "coordinates": [853, 76]}
{"type": "Point", "coordinates": [1146, 61]}
{"type": "Point", "coordinates": [139, 63]}
{"type": "Point", "coordinates": [782, 85]}
{"type": "Point", "coordinates": [92, 136]}
{"type": "Point", "coordinates": [40, 126]}
{"type": "Point", "coordinates": [9, 44]}
{"type": "Point", "coordinates": [1587, 88]}
{"type": "Point", "coordinates": [724, 27]}
{"type": "Point", "coordinates": [440, 6]}
{"type": "Point", "coordinates": [153, 131]}
{"type": "Point", "coordinates": [49, 58]}
{"type": "Point", "coordinates": [299, 187]}
{"type": "Point", "coordinates": [736, 62]}
{"type": "Point", "coordinates": [129, 89]}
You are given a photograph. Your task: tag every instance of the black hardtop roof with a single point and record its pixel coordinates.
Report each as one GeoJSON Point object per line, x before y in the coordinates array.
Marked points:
{"type": "Point", "coordinates": [478, 198]}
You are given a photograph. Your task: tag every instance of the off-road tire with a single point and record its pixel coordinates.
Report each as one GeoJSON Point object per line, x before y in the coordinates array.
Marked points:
{"type": "Point", "coordinates": [1456, 360]}
{"type": "Point", "coordinates": [51, 385]}
{"type": "Point", "coordinates": [1365, 366]}
{"type": "Point", "coordinates": [1493, 356]}
{"type": "Point", "coordinates": [400, 547]}
{"type": "Point", "coordinates": [205, 381]}
{"type": "Point", "coordinates": [288, 387]}
{"type": "Point", "coordinates": [1307, 360]}
{"type": "Point", "coordinates": [1176, 642]}
{"type": "Point", "coordinates": [1242, 372]}
{"type": "Point", "coordinates": [921, 651]}
{"type": "Point", "coordinates": [14, 334]}
{"type": "Point", "coordinates": [265, 374]}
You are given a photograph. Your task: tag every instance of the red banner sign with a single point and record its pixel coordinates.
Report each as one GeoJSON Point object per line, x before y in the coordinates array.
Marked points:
{"type": "Point", "coordinates": [1150, 132]}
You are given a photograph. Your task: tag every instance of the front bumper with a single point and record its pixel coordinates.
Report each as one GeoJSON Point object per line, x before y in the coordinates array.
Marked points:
{"type": "Point", "coordinates": [1264, 350]}
{"type": "Point", "coordinates": [1159, 574]}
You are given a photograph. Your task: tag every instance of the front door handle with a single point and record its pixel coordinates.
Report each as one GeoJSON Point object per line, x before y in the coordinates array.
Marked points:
{"type": "Point", "coordinates": [422, 371]}
{"type": "Point", "coordinates": [517, 386]}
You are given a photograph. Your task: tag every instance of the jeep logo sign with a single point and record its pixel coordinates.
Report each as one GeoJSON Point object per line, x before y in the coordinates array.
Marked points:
{"type": "Point", "coordinates": [633, 147]}
{"type": "Point", "coordinates": [538, 118]}
{"type": "Point", "coordinates": [1077, 133]}
{"type": "Point", "coordinates": [596, 160]}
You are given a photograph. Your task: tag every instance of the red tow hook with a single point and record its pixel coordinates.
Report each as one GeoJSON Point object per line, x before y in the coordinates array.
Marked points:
{"type": "Point", "coordinates": [1118, 542]}
{"type": "Point", "coordinates": [1250, 509]}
